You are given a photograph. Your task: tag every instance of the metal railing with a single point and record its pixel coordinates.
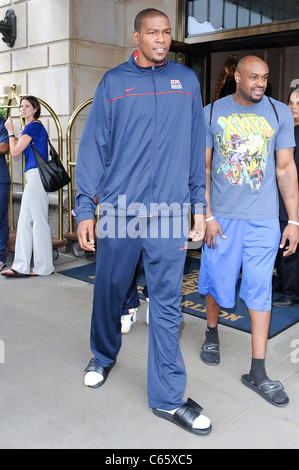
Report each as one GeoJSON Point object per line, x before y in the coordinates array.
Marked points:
{"type": "Point", "coordinates": [70, 162]}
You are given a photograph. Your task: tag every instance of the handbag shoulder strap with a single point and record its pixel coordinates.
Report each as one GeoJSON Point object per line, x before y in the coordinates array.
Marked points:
{"type": "Point", "coordinates": [53, 151]}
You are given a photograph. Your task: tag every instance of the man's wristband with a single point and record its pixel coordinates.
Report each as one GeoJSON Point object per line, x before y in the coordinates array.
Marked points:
{"type": "Point", "coordinates": [293, 222]}
{"type": "Point", "coordinates": [11, 135]}
{"type": "Point", "coordinates": [209, 219]}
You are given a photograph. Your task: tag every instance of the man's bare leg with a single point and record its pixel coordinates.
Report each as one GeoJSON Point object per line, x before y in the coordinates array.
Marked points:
{"type": "Point", "coordinates": [260, 322]}
{"type": "Point", "coordinates": [213, 310]}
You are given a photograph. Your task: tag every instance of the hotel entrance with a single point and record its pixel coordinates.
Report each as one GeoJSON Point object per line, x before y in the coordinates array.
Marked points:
{"type": "Point", "coordinates": [211, 32]}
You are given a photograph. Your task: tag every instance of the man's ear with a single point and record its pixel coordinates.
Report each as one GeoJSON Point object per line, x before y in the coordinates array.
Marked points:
{"type": "Point", "coordinates": [136, 37]}
{"type": "Point", "coordinates": [237, 76]}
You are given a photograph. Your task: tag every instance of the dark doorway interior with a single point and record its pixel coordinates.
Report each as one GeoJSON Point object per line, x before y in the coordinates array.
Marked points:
{"type": "Point", "coordinates": [279, 50]}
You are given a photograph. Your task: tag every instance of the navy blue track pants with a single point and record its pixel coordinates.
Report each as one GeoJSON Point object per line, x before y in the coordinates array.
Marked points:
{"type": "Point", "coordinates": [164, 259]}
{"type": "Point", "coordinates": [4, 226]}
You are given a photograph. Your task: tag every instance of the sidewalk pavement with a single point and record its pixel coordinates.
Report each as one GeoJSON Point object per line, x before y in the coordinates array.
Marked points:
{"type": "Point", "coordinates": [44, 341]}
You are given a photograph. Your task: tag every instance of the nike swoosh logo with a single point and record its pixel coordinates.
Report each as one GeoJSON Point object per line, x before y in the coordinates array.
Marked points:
{"type": "Point", "coordinates": [182, 249]}
{"type": "Point", "coordinates": [130, 89]}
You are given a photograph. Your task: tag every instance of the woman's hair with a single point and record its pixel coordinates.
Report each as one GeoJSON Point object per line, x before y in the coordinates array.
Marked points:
{"type": "Point", "coordinates": [35, 103]}
{"type": "Point", "coordinates": [226, 84]}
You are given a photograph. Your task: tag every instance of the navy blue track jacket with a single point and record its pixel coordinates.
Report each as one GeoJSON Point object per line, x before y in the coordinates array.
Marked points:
{"type": "Point", "coordinates": [143, 143]}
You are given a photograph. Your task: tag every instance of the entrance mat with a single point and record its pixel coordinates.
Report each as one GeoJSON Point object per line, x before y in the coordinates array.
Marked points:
{"type": "Point", "coordinates": [193, 303]}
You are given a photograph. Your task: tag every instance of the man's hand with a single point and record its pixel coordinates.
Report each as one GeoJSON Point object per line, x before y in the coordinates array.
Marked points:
{"type": "Point", "coordinates": [291, 233]}
{"type": "Point", "coordinates": [211, 233]}
{"type": "Point", "coordinates": [86, 234]}
{"type": "Point", "coordinates": [198, 231]}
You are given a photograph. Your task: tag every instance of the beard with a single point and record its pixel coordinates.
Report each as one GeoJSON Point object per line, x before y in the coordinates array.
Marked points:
{"type": "Point", "coordinates": [158, 61]}
{"type": "Point", "coordinates": [256, 99]}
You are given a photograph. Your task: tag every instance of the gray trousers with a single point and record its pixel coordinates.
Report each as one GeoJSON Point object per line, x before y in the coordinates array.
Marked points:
{"type": "Point", "coordinates": [33, 231]}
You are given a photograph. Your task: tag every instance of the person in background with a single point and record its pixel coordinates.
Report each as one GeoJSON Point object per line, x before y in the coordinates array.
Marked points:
{"type": "Point", "coordinates": [130, 307]}
{"type": "Point", "coordinates": [131, 303]}
{"type": "Point", "coordinates": [4, 193]}
{"type": "Point", "coordinates": [33, 231]}
{"type": "Point", "coordinates": [226, 84]}
{"type": "Point", "coordinates": [287, 267]}
{"type": "Point", "coordinates": [243, 131]}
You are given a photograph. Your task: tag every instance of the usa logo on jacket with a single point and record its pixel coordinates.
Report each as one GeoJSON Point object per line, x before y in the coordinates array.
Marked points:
{"type": "Point", "coordinates": [176, 84]}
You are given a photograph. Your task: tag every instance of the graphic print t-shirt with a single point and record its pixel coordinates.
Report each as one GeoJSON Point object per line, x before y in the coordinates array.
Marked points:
{"type": "Point", "coordinates": [244, 139]}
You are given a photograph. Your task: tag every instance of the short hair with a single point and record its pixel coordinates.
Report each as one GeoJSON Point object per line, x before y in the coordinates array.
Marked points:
{"type": "Point", "coordinates": [296, 90]}
{"type": "Point", "coordinates": [35, 103]}
{"type": "Point", "coordinates": [143, 14]}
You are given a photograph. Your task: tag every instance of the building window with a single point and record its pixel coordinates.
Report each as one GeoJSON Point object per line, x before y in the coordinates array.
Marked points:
{"type": "Point", "coordinates": [212, 15]}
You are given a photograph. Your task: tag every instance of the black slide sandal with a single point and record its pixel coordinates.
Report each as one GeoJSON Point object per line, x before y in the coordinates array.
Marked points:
{"type": "Point", "coordinates": [185, 417]}
{"type": "Point", "coordinates": [267, 389]}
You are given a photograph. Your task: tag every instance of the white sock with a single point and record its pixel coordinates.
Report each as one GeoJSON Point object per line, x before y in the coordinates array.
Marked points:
{"type": "Point", "coordinates": [201, 422]}
{"type": "Point", "coordinates": [92, 378]}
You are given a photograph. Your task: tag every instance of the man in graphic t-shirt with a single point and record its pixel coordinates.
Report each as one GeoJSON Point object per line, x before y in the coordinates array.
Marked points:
{"type": "Point", "coordinates": [242, 133]}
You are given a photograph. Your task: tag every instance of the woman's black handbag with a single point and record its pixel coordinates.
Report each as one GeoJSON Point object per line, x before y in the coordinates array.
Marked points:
{"type": "Point", "coordinates": [52, 172]}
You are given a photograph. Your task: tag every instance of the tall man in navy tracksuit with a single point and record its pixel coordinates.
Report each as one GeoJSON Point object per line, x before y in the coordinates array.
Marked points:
{"type": "Point", "coordinates": [142, 153]}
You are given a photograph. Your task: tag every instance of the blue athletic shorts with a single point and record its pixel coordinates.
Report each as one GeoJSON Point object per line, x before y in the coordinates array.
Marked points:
{"type": "Point", "coordinates": [250, 244]}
